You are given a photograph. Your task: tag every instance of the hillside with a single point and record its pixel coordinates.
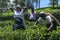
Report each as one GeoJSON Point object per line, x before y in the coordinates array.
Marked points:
{"type": "Point", "coordinates": [37, 33]}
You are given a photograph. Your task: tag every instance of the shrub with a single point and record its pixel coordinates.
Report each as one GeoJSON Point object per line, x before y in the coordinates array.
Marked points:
{"type": "Point", "coordinates": [31, 33]}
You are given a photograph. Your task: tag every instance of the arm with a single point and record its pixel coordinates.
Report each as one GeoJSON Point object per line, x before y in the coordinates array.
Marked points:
{"type": "Point", "coordinates": [24, 8]}
{"type": "Point", "coordinates": [37, 21]}
{"type": "Point", "coordinates": [35, 24]}
{"type": "Point", "coordinates": [50, 26]}
{"type": "Point", "coordinates": [11, 9]}
{"type": "Point", "coordinates": [49, 19]}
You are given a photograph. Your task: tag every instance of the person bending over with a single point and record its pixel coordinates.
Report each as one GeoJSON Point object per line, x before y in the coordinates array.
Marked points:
{"type": "Point", "coordinates": [48, 20]}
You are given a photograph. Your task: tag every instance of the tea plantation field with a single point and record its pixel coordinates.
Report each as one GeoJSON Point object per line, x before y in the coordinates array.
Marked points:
{"type": "Point", "coordinates": [37, 33]}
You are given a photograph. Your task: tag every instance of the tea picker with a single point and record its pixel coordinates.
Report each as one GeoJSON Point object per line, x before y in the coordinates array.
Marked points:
{"type": "Point", "coordinates": [19, 17]}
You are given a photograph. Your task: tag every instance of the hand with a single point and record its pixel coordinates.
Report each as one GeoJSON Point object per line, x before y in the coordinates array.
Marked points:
{"type": "Point", "coordinates": [24, 7]}
{"type": "Point", "coordinates": [34, 25]}
{"type": "Point", "coordinates": [48, 29]}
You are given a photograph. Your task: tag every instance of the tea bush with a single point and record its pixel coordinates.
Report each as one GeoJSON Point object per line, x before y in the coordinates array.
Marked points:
{"type": "Point", "coordinates": [31, 33]}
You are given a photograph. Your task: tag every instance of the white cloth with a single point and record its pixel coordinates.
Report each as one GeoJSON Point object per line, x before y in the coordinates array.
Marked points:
{"type": "Point", "coordinates": [47, 20]}
{"type": "Point", "coordinates": [32, 16]}
{"type": "Point", "coordinates": [19, 14]}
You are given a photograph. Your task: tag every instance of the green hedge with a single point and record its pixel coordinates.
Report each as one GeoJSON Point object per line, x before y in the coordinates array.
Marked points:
{"type": "Point", "coordinates": [29, 34]}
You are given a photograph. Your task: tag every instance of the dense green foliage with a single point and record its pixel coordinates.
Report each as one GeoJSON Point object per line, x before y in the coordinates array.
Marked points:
{"type": "Point", "coordinates": [37, 33]}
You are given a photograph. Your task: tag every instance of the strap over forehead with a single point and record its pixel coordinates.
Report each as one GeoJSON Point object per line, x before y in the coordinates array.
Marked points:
{"type": "Point", "coordinates": [42, 12]}
{"type": "Point", "coordinates": [18, 6]}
